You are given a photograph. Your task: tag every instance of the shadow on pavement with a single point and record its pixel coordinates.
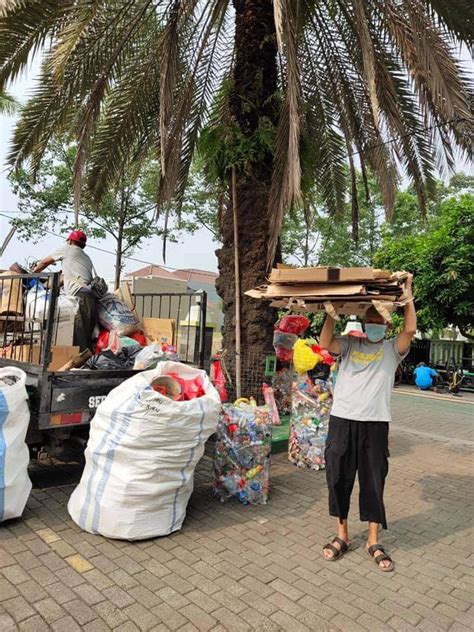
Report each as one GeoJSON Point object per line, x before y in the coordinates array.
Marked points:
{"type": "Point", "coordinates": [450, 513]}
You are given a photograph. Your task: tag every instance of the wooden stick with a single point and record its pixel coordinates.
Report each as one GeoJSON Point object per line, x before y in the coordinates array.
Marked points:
{"type": "Point", "coordinates": [77, 361]}
{"type": "Point", "coordinates": [238, 358]}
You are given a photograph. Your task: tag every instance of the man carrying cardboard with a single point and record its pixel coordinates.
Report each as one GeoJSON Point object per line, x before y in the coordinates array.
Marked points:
{"type": "Point", "coordinates": [358, 427]}
{"type": "Point", "coordinates": [77, 269]}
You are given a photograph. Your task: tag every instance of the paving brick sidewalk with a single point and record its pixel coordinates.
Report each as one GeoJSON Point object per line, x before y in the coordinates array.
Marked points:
{"type": "Point", "coordinates": [241, 568]}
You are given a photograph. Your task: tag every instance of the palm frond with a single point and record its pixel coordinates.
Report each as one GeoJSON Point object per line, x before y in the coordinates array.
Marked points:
{"type": "Point", "coordinates": [91, 109]}
{"type": "Point", "coordinates": [127, 129]}
{"type": "Point", "coordinates": [8, 104]}
{"type": "Point", "coordinates": [435, 73]}
{"type": "Point", "coordinates": [207, 67]}
{"type": "Point", "coordinates": [286, 181]}
{"type": "Point", "coordinates": [367, 53]}
{"type": "Point", "coordinates": [47, 112]}
{"type": "Point", "coordinates": [457, 18]}
{"type": "Point", "coordinates": [24, 29]}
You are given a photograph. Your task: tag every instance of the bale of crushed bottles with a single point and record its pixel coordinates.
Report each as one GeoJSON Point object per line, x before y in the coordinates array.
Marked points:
{"type": "Point", "coordinates": [282, 384]}
{"type": "Point", "coordinates": [311, 407]}
{"type": "Point", "coordinates": [242, 454]}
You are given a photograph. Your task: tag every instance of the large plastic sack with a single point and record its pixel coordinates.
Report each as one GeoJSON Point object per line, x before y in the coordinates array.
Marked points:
{"type": "Point", "coordinates": [140, 459]}
{"type": "Point", "coordinates": [37, 299]}
{"type": "Point", "coordinates": [15, 485]}
{"type": "Point", "coordinates": [115, 314]}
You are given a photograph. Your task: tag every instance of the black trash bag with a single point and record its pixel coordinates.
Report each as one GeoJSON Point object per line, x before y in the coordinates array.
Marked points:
{"type": "Point", "coordinates": [109, 361]}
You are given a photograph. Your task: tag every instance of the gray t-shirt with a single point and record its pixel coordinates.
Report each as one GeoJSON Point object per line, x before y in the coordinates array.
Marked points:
{"type": "Point", "coordinates": [77, 268]}
{"type": "Point", "coordinates": [365, 379]}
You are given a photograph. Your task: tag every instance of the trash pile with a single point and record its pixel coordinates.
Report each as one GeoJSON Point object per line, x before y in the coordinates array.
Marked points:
{"type": "Point", "coordinates": [311, 407]}
{"type": "Point", "coordinates": [286, 334]}
{"type": "Point", "coordinates": [116, 343]}
{"type": "Point", "coordinates": [145, 441]}
{"type": "Point", "coordinates": [242, 453]}
{"type": "Point", "coordinates": [352, 290]}
{"type": "Point", "coordinates": [122, 341]}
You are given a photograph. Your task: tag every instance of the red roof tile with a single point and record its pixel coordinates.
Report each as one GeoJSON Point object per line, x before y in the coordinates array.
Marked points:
{"type": "Point", "coordinates": [188, 274]}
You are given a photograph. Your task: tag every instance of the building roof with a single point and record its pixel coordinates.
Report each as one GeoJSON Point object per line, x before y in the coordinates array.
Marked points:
{"type": "Point", "coordinates": [151, 270]}
{"type": "Point", "coordinates": [188, 274]}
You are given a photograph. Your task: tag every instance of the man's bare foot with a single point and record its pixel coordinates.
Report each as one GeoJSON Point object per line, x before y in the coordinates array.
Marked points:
{"type": "Point", "coordinates": [329, 554]}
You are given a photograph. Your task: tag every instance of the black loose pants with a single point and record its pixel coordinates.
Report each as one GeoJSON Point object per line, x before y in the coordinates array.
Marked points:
{"type": "Point", "coordinates": [86, 319]}
{"type": "Point", "coordinates": [357, 446]}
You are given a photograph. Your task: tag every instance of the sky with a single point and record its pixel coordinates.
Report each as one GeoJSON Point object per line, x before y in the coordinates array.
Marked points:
{"type": "Point", "coordinates": [197, 252]}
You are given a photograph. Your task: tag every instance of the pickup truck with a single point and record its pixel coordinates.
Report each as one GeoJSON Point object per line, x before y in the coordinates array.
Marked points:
{"type": "Point", "coordinates": [62, 403]}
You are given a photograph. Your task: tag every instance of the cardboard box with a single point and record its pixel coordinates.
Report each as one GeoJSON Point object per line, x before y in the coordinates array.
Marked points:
{"type": "Point", "coordinates": [308, 289]}
{"type": "Point", "coordinates": [11, 290]}
{"type": "Point", "coordinates": [125, 295]}
{"type": "Point", "coordinates": [353, 308]}
{"type": "Point", "coordinates": [63, 334]}
{"type": "Point", "coordinates": [32, 353]}
{"type": "Point", "coordinates": [326, 274]}
{"type": "Point", "coordinates": [160, 329]}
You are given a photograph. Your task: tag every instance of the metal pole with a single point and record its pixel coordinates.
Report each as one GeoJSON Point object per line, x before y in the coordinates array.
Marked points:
{"type": "Point", "coordinates": [50, 323]}
{"type": "Point", "coordinates": [3, 247]}
{"type": "Point", "coordinates": [202, 329]}
{"type": "Point", "coordinates": [238, 359]}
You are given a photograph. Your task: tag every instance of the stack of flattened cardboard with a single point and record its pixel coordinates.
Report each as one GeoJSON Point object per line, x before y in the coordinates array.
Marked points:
{"type": "Point", "coordinates": [350, 290]}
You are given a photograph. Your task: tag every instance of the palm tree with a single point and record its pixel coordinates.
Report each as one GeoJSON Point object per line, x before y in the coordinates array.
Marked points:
{"type": "Point", "coordinates": [291, 93]}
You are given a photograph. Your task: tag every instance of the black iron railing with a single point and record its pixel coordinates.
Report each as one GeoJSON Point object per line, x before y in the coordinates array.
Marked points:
{"type": "Point", "coordinates": [188, 311]}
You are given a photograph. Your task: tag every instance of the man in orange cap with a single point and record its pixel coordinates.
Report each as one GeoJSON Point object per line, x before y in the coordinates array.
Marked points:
{"type": "Point", "coordinates": [77, 269]}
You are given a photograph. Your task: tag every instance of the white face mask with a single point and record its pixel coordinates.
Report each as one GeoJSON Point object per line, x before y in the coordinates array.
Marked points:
{"type": "Point", "coordinates": [375, 332]}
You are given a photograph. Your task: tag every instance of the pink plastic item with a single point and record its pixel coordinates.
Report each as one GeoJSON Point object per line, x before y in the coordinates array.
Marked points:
{"type": "Point", "coordinates": [269, 398]}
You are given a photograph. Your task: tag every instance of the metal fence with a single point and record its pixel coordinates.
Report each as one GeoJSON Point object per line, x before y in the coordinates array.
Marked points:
{"type": "Point", "coordinates": [188, 311]}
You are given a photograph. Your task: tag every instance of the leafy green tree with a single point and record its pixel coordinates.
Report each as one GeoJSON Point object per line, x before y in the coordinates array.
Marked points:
{"type": "Point", "coordinates": [46, 203]}
{"type": "Point", "coordinates": [309, 84]}
{"type": "Point", "coordinates": [442, 260]}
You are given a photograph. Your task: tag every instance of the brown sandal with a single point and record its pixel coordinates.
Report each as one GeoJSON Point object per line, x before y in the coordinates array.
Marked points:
{"type": "Point", "coordinates": [372, 550]}
{"type": "Point", "coordinates": [336, 553]}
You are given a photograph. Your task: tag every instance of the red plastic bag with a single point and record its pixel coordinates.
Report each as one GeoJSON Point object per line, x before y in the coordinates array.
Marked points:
{"type": "Point", "coordinates": [326, 356]}
{"type": "Point", "coordinates": [293, 324]}
{"type": "Point", "coordinates": [102, 341]}
{"type": "Point", "coordinates": [284, 355]}
{"type": "Point", "coordinates": [140, 338]}
{"type": "Point", "coordinates": [218, 378]}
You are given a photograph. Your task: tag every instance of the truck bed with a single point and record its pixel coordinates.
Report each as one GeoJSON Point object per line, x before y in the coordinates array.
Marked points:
{"type": "Point", "coordinates": [65, 398]}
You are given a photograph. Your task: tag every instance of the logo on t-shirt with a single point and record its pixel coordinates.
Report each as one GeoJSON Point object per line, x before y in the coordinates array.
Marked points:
{"type": "Point", "coordinates": [358, 357]}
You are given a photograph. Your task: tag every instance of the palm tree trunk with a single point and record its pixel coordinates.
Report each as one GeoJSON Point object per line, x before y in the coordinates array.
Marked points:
{"type": "Point", "coordinates": [254, 85]}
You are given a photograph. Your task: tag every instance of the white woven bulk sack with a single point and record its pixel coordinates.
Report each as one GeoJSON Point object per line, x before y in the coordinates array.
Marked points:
{"type": "Point", "coordinates": [15, 485]}
{"type": "Point", "coordinates": [140, 458]}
